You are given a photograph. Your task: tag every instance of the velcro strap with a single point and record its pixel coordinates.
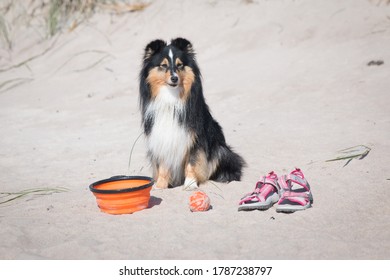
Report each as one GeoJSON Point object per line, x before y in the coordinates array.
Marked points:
{"type": "Point", "coordinates": [298, 180]}
{"type": "Point", "coordinates": [295, 194]}
{"type": "Point", "coordinates": [273, 183]}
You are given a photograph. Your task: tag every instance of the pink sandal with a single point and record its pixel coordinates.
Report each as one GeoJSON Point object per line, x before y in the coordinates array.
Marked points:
{"type": "Point", "coordinates": [265, 195]}
{"type": "Point", "coordinates": [295, 193]}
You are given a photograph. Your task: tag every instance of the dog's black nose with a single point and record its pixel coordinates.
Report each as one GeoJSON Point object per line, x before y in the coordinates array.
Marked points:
{"type": "Point", "coordinates": [174, 79]}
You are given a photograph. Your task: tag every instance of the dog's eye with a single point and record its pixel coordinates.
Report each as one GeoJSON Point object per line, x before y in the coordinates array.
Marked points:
{"type": "Point", "coordinates": [180, 66]}
{"type": "Point", "coordinates": [164, 66]}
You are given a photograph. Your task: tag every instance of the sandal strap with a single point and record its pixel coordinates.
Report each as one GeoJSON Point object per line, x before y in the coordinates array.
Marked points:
{"type": "Point", "coordinates": [253, 196]}
{"type": "Point", "coordinates": [302, 200]}
{"type": "Point", "coordinates": [283, 183]}
{"type": "Point", "coordinates": [270, 179]}
{"type": "Point", "coordinates": [299, 181]}
{"type": "Point", "coordinates": [249, 197]}
{"type": "Point", "coordinates": [297, 177]}
{"type": "Point", "coordinates": [295, 194]}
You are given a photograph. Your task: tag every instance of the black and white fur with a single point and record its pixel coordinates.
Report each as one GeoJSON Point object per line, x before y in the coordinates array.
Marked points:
{"type": "Point", "coordinates": [185, 143]}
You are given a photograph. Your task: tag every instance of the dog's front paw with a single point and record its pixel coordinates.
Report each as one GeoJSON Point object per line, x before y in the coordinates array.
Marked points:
{"type": "Point", "coordinates": [190, 184]}
{"type": "Point", "coordinates": [161, 184]}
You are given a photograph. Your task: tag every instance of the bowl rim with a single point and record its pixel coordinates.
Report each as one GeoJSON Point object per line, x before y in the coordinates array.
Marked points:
{"type": "Point", "coordinates": [93, 188]}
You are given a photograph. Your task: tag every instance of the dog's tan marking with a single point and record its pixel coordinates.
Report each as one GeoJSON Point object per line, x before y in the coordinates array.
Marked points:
{"type": "Point", "coordinates": [178, 62]}
{"type": "Point", "coordinates": [201, 167]}
{"type": "Point", "coordinates": [163, 177]}
{"type": "Point", "coordinates": [197, 172]}
{"type": "Point", "coordinates": [165, 61]}
{"type": "Point", "coordinates": [190, 182]}
{"type": "Point", "coordinates": [187, 77]}
{"type": "Point", "coordinates": [156, 79]}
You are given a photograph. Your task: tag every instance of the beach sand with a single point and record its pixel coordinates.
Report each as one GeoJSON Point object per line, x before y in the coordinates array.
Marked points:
{"type": "Point", "coordinates": [288, 81]}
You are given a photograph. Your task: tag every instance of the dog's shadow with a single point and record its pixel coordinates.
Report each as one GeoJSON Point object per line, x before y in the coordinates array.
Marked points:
{"type": "Point", "coordinates": [154, 201]}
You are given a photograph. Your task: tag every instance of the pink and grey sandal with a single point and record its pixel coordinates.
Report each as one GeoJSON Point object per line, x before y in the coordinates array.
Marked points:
{"type": "Point", "coordinates": [295, 193]}
{"type": "Point", "coordinates": [265, 195]}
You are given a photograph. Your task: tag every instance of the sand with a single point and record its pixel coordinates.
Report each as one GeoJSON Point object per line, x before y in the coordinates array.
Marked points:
{"type": "Point", "coordinates": [288, 81]}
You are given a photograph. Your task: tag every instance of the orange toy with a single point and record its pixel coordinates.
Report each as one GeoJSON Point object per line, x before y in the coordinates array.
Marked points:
{"type": "Point", "coordinates": [199, 201]}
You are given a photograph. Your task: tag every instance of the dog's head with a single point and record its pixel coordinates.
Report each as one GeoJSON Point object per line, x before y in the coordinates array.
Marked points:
{"type": "Point", "coordinates": [172, 65]}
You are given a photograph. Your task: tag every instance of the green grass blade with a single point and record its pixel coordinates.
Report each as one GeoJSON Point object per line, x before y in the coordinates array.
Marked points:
{"type": "Point", "coordinates": [29, 192]}
{"type": "Point", "coordinates": [355, 152]}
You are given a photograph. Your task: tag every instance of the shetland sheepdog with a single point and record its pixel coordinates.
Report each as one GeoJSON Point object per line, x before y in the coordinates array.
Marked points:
{"type": "Point", "coordinates": [186, 145]}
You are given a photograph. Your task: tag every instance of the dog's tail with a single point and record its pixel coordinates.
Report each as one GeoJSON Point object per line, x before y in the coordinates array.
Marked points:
{"type": "Point", "coordinates": [229, 166]}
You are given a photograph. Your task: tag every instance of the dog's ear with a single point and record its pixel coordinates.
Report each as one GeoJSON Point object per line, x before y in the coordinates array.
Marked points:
{"type": "Point", "coordinates": [154, 47]}
{"type": "Point", "coordinates": [183, 45]}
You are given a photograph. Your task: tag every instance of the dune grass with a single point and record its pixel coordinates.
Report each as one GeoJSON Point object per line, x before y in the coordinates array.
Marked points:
{"type": "Point", "coordinates": [43, 20]}
{"type": "Point", "coordinates": [348, 154]}
{"type": "Point", "coordinates": [7, 197]}
{"type": "Point", "coordinates": [49, 17]}
{"type": "Point", "coordinates": [71, 12]}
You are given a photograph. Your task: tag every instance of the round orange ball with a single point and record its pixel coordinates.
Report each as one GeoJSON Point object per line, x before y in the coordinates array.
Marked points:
{"type": "Point", "coordinates": [199, 201]}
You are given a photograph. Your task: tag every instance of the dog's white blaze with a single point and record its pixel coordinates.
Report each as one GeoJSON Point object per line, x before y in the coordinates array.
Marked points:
{"type": "Point", "coordinates": [174, 74]}
{"type": "Point", "coordinates": [168, 141]}
{"type": "Point", "coordinates": [171, 56]}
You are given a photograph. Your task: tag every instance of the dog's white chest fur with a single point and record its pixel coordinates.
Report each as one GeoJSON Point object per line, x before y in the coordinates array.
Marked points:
{"type": "Point", "coordinates": [169, 141]}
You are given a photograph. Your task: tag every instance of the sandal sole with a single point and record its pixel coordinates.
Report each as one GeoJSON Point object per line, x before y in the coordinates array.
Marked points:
{"type": "Point", "coordinates": [291, 208]}
{"type": "Point", "coordinates": [287, 208]}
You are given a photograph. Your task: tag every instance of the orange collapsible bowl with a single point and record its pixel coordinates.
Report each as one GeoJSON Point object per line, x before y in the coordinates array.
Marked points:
{"type": "Point", "coordinates": [122, 194]}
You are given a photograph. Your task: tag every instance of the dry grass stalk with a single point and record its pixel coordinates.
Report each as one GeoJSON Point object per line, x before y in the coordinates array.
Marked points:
{"type": "Point", "coordinates": [6, 197]}
{"type": "Point", "coordinates": [355, 152]}
{"type": "Point", "coordinates": [49, 17]}
{"type": "Point", "coordinates": [10, 84]}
